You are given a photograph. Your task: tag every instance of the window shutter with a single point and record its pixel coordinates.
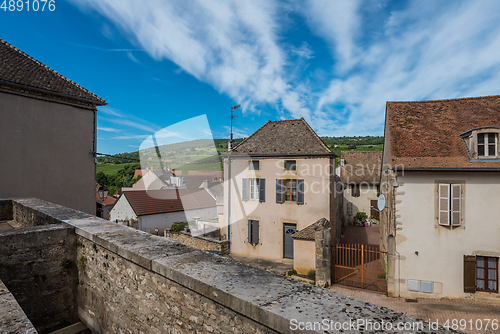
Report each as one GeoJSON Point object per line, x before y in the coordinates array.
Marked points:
{"type": "Point", "coordinates": [250, 231]}
{"type": "Point", "coordinates": [444, 204]}
{"type": "Point", "coordinates": [255, 231]}
{"type": "Point", "coordinates": [300, 191]}
{"type": "Point", "coordinates": [262, 190]}
{"type": "Point", "coordinates": [456, 204]}
{"type": "Point", "coordinates": [469, 273]}
{"type": "Point", "coordinates": [244, 193]}
{"type": "Point", "coordinates": [279, 191]}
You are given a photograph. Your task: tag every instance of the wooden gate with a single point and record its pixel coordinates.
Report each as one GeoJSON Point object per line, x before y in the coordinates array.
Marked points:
{"type": "Point", "coordinates": [360, 266]}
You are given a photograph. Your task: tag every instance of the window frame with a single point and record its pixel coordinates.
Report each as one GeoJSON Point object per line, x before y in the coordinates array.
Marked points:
{"type": "Point", "coordinates": [285, 166]}
{"type": "Point", "coordinates": [251, 165]}
{"type": "Point", "coordinates": [286, 188]}
{"type": "Point", "coordinates": [251, 223]}
{"type": "Point", "coordinates": [451, 202]}
{"type": "Point", "coordinates": [253, 189]}
{"type": "Point", "coordinates": [486, 269]}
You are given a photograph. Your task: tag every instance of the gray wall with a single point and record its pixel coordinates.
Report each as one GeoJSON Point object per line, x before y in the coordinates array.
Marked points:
{"type": "Point", "coordinates": [44, 149]}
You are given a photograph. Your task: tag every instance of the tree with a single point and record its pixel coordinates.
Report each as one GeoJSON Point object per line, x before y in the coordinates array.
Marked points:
{"type": "Point", "coordinates": [101, 178]}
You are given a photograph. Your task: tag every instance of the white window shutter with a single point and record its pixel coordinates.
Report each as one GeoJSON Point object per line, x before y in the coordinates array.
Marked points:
{"type": "Point", "coordinates": [444, 204]}
{"type": "Point", "coordinates": [456, 204]}
{"type": "Point", "coordinates": [244, 193]}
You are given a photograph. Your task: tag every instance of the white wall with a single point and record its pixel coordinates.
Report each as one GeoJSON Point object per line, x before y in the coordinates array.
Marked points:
{"type": "Point", "coordinates": [122, 210]}
{"type": "Point", "coordinates": [165, 220]}
{"type": "Point", "coordinates": [441, 249]}
{"type": "Point", "coordinates": [361, 203]}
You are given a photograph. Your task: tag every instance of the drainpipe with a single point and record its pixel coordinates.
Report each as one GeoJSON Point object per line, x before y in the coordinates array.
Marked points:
{"type": "Point", "coordinates": [229, 202]}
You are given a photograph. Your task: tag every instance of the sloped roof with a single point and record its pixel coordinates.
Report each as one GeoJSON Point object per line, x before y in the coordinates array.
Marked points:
{"type": "Point", "coordinates": [307, 233]}
{"type": "Point", "coordinates": [169, 200]}
{"type": "Point", "coordinates": [216, 173]}
{"type": "Point", "coordinates": [426, 134]}
{"type": "Point", "coordinates": [361, 167]}
{"type": "Point", "coordinates": [18, 68]}
{"type": "Point", "coordinates": [282, 138]}
{"type": "Point", "coordinates": [140, 172]}
{"type": "Point", "coordinates": [194, 181]}
{"type": "Point", "coordinates": [110, 200]}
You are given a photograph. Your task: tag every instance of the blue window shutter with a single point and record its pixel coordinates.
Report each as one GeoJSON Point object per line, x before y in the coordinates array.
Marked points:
{"type": "Point", "coordinates": [279, 191]}
{"type": "Point", "coordinates": [250, 231]}
{"type": "Point", "coordinates": [262, 190]}
{"type": "Point", "coordinates": [255, 231]}
{"type": "Point", "coordinates": [244, 194]}
{"type": "Point", "coordinates": [300, 191]}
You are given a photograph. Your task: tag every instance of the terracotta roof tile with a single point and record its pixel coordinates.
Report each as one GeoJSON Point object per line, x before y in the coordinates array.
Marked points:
{"type": "Point", "coordinates": [426, 134]}
{"type": "Point", "coordinates": [170, 200]}
{"type": "Point", "coordinates": [361, 167]}
{"type": "Point", "coordinates": [110, 200]}
{"type": "Point", "coordinates": [16, 67]}
{"type": "Point", "coordinates": [282, 138]}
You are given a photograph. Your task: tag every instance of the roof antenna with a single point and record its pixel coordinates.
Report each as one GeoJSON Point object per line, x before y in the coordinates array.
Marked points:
{"type": "Point", "coordinates": [233, 117]}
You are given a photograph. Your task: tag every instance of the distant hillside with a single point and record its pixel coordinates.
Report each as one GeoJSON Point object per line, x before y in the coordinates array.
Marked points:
{"type": "Point", "coordinates": [198, 152]}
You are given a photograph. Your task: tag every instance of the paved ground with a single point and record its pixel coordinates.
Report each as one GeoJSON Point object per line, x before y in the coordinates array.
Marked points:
{"type": "Point", "coordinates": [434, 309]}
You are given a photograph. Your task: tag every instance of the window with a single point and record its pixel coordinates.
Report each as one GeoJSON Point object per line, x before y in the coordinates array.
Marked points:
{"type": "Point", "coordinates": [450, 204]}
{"type": "Point", "coordinates": [290, 191]}
{"type": "Point", "coordinates": [253, 231]}
{"type": "Point", "coordinates": [254, 165]}
{"type": "Point", "coordinates": [290, 165]}
{"type": "Point", "coordinates": [355, 190]}
{"type": "Point", "coordinates": [486, 274]}
{"type": "Point", "coordinates": [254, 190]}
{"type": "Point", "coordinates": [486, 144]}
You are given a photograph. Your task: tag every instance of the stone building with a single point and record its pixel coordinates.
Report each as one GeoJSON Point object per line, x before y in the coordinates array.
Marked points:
{"type": "Point", "coordinates": [442, 183]}
{"type": "Point", "coordinates": [47, 133]}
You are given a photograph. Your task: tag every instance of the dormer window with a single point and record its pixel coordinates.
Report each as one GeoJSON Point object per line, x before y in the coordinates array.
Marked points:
{"type": "Point", "coordinates": [486, 144]}
{"type": "Point", "coordinates": [482, 143]}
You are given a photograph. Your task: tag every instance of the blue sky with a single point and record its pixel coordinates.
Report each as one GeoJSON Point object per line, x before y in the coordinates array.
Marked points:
{"type": "Point", "coordinates": [335, 63]}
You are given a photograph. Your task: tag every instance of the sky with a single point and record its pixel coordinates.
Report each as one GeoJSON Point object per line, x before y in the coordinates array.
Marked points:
{"type": "Point", "coordinates": [334, 63]}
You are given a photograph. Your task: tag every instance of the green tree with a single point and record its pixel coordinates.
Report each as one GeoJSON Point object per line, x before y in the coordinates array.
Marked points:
{"type": "Point", "coordinates": [101, 178]}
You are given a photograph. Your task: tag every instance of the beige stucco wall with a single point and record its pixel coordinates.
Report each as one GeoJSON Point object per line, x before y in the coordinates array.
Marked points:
{"type": "Point", "coordinates": [271, 215]}
{"type": "Point", "coordinates": [361, 203]}
{"type": "Point", "coordinates": [45, 150]}
{"type": "Point", "coordinates": [441, 249]}
{"type": "Point", "coordinates": [304, 256]}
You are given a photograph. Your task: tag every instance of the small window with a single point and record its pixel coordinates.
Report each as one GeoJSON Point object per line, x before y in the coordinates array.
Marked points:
{"type": "Point", "coordinates": [486, 274]}
{"type": "Point", "coordinates": [290, 165]}
{"type": "Point", "coordinates": [486, 144]}
{"type": "Point", "coordinates": [253, 231]}
{"type": "Point", "coordinates": [355, 190]}
{"type": "Point", "coordinates": [254, 165]}
{"type": "Point", "coordinates": [254, 189]}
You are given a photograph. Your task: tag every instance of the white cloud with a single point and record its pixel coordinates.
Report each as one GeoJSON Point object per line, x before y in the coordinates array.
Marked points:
{"type": "Point", "coordinates": [107, 129]}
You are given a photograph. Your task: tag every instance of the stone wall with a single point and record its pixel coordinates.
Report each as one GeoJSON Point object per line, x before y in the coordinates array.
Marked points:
{"type": "Point", "coordinates": [5, 210]}
{"type": "Point", "coordinates": [201, 243]}
{"type": "Point", "coordinates": [130, 281]}
{"type": "Point", "coordinates": [12, 317]}
{"type": "Point", "coordinates": [31, 266]}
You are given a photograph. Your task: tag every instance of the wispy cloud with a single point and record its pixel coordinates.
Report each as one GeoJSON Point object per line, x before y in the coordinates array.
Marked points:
{"type": "Point", "coordinates": [121, 118]}
{"type": "Point", "coordinates": [107, 129]}
{"type": "Point", "coordinates": [424, 49]}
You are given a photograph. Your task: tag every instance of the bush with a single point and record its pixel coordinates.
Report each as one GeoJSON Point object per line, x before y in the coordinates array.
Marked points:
{"type": "Point", "coordinates": [292, 272]}
{"type": "Point", "coordinates": [361, 216]}
{"type": "Point", "coordinates": [177, 227]}
{"type": "Point", "coordinates": [312, 274]}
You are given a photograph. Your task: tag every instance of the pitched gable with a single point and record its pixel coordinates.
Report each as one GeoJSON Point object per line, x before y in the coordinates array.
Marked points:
{"type": "Point", "coordinates": [283, 138]}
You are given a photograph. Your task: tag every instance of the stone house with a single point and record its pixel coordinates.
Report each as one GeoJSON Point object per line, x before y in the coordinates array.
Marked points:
{"type": "Point", "coordinates": [441, 179]}
{"type": "Point", "coordinates": [278, 181]}
{"type": "Point", "coordinates": [159, 209]}
{"type": "Point", "coordinates": [47, 133]}
{"type": "Point", "coordinates": [359, 172]}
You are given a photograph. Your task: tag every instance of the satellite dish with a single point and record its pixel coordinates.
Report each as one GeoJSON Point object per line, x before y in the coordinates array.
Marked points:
{"type": "Point", "coordinates": [381, 202]}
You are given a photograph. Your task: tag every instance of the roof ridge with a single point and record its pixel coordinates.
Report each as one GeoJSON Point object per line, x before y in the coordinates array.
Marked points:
{"type": "Point", "coordinates": [443, 100]}
{"type": "Point", "coordinates": [316, 135]}
{"type": "Point", "coordinates": [98, 98]}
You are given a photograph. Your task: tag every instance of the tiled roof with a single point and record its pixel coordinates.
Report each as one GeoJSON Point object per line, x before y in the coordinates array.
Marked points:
{"type": "Point", "coordinates": [216, 173]}
{"type": "Point", "coordinates": [426, 134]}
{"type": "Point", "coordinates": [282, 138]}
{"type": "Point", "coordinates": [361, 167]}
{"type": "Point", "coordinates": [140, 172]}
{"type": "Point", "coordinates": [194, 181]}
{"type": "Point", "coordinates": [170, 200]}
{"type": "Point", "coordinates": [307, 233]}
{"type": "Point", "coordinates": [110, 200]}
{"type": "Point", "coordinates": [16, 67]}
